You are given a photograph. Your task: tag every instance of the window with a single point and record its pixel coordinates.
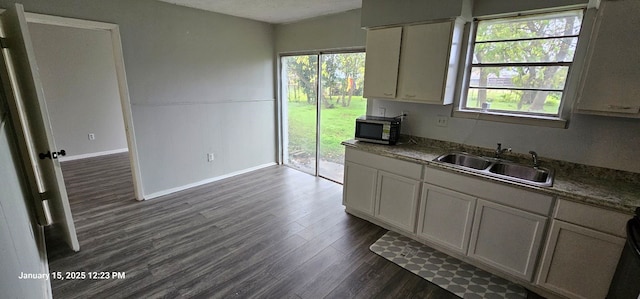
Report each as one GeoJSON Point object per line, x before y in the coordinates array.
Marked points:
{"type": "Point", "coordinates": [519, 65]}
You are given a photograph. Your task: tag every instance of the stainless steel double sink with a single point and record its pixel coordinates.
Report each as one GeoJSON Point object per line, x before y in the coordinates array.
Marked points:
{"type": "Point", "coordinates": [498, 168]}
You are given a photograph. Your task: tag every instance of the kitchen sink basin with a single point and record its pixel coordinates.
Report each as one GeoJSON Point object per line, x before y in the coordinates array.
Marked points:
{"type": "Point", "coordinates": [499, 169]}
{"type": "Point", "coordinates": [465, 160]}
{"type": "Point", "coordinates": [527, 173]}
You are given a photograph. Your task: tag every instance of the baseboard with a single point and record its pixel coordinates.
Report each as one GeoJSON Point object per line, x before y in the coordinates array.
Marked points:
{"type": "Point", "coordinates": [203, 182]}
{"type": "Point", "coordinates": [92, 155]}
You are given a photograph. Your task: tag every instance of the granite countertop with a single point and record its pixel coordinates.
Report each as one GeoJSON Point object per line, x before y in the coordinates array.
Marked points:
{"type": "Point", "coordinates": [618, 190]}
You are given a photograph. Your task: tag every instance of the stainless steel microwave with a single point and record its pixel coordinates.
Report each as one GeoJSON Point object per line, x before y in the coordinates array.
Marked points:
{"type": "Point", "coordinates": [376, 129]}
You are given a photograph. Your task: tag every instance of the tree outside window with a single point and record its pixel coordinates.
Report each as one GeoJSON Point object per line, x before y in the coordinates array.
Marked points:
{"type": "Point", "coordinates": [520, 64]}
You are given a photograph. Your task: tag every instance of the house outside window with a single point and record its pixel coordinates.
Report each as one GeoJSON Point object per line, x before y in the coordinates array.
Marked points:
{"type": "Point", "coordinates": [519, 65]}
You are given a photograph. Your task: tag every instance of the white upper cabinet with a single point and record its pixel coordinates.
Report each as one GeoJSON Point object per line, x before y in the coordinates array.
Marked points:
{"type": "Point", "coordinates": [428, 63]}
{"type": "Point", "coordinates": [381, 66]}
{"type": "Point", "coordinates": [610, 79]}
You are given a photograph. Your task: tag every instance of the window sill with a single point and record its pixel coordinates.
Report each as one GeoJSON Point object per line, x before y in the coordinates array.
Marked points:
{"type": "Point", "coordinates": [530, 120]}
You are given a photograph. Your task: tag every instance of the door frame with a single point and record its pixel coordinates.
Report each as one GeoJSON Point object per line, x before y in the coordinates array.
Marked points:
{"type": "Point", "coordinates": [123, 88]}
{"type": "Point", "coordinates": [280, 102]}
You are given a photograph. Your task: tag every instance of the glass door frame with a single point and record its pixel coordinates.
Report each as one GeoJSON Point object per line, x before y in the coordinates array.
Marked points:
{"type": "Point", "coordinates": [280, 105]}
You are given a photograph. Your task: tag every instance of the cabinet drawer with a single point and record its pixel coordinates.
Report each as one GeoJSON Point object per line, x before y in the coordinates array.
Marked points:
{"type": "Point", "coordinates": [395, 166]}
{"type": "Point", "coordinates": [510, 196]}
{"type": "Point", "coordinates": [592, 217]}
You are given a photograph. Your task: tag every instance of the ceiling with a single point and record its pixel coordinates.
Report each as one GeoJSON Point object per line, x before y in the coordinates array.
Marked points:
{"type": "Point", "coordinates": [272, 11]}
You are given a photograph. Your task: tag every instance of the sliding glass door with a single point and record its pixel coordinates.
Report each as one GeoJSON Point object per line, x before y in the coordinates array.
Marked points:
{"type": "Point", "coordinates": [299, 81]}
{"type": "Point", "coordinates": [318, 114]}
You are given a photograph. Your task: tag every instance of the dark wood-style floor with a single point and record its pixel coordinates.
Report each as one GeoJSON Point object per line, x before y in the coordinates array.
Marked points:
{"type": "Point", "coordinates": [272, 233]}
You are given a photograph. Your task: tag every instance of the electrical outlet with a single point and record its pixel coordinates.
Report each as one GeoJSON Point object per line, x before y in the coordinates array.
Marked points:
{"type": "Point", "coordinates": [92, 136]}
{"type": "Point", "coordinates": [210, 157]}
{"type": "Point", "coordinates": [382, 111]}
{"type": "Point", "coordinates": [442, 121]}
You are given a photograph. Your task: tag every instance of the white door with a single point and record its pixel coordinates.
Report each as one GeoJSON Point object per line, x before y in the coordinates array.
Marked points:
{"type": "Point", "coordinates": [28, 107]}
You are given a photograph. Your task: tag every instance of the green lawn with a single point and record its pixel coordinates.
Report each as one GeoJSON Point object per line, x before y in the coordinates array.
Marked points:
{"type": "Point", "coordinates": [551, 108]}
{"type": "Point", "coordinates": [338, 124]}
{"type": "Point", "coordinates": [508, 101]}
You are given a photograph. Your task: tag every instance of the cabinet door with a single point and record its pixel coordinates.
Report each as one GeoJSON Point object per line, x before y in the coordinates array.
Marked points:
{"type": "Point", "coordinates": [579, 262]}
{"type": "Point", "coordinates": [381, 65]}
{"type": "Point", "coordinates": [359, 187]}
{"type": "Point", "coordinates": [396, 200]}
{"type": "Point", "coordinates": [424, 62]}
{"type": "Point", "coordinates": [506, 238]}
{"type": "Point", "coordinates": [610, 82]}
{"type": "Point", "coordinates": [445, 217]}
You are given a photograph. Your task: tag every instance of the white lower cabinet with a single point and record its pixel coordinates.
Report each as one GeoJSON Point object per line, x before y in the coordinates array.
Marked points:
{"type": "Point", "coordinates": [386, 190]}
{"type": "Point", "coordinates": [580, 258]}
{"type": "Point", "coordinates": [506, 238]}
{"type": "Point", "coordinates": [445, 217]}
{"type": "Point", "coordinates": [397, 200]}
{"type": "Point", "coordinates": [360, 187]}
{"type": "Point", "coordinates": [495, 226]}
{"type": "Point", "coordinates": [508, 222]}
{"type": "Point", "coordinates": [579, 262]}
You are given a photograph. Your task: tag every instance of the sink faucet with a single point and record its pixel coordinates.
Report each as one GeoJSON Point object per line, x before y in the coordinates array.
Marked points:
{"type": "Point", "coordinates": [534, 156]}
{"type": "Point", "coordinates": [500, 150]}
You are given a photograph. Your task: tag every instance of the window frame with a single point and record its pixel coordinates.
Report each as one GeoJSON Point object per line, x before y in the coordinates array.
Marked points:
{"type": "Point", "coordinates": [522, 117]}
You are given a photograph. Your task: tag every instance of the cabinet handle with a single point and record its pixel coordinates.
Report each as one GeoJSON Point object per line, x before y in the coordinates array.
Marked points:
{"type": "Point", "coordinates": [618, 107]}
{"type": "Point", "coordinates": [388, 94]}
{"type": "Point", "coordinates": [410, 95]}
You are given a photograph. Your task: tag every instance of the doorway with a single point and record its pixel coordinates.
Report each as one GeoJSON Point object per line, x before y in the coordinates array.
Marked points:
{"type": "Point", "coordinates": [83, 77]}
{"type": "Point", "coordinates": [80, 69]}
{"type": "Point", "coordinates": [321, 98]}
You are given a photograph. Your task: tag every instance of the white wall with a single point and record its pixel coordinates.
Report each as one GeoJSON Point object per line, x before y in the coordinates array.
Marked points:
{"type": "Point", "coordinates": [592, 140]}
{"type": "Point", "coordinates": [78, 74]}
{"type": "Point", "coordinates": [208, 90]}
{"type": "Point", "coordinates": [21, 249]}
{"type": "Point", "coordinates": [199, 82]}
{"type": "Point", "coordinates": [392, 12]}
{"type": "Point", "coordinates": [338, 31]}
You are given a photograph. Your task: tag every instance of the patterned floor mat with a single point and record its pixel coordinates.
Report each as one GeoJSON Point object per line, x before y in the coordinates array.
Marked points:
{"type": "Point", "coordinates": [457, 277]}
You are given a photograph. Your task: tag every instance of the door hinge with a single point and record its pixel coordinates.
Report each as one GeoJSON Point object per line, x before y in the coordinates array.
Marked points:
{"type": "Point", "coordinates": [3, 43]}
{"type": "Point", "coordinates": [44, 211]}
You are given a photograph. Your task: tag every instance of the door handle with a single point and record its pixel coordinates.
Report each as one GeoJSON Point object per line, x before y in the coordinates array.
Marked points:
{"type": "Point", "coordinates": [51, 155]}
